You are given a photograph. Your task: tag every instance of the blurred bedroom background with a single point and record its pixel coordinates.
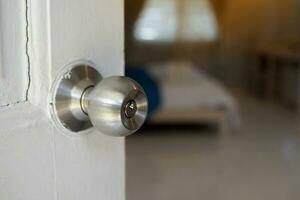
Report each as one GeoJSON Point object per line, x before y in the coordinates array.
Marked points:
{"type": "Point", "coordinates": [222, 77]}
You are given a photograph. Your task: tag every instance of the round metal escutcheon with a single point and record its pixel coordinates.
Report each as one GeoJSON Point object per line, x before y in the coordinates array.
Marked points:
{"type": "Point", "coordinates": [68, 89]}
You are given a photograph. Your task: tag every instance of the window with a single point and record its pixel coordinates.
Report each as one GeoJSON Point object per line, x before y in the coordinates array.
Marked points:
{"type": "Point", "coordinates": [170, 20]}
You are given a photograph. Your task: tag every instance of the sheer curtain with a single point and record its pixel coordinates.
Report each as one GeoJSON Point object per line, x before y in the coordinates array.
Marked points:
{"type": "Point", "coordinates": [177, 20]}
{"type": "Point", "coordinates": [133, 9]}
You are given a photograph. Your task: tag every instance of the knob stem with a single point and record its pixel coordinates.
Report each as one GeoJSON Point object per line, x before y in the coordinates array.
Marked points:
{"type": "Point", "coordinates": [84, 99]}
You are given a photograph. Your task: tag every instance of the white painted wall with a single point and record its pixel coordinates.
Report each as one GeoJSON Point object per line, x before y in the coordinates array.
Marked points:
{"type": "Point", "coordinates": [36, 160]}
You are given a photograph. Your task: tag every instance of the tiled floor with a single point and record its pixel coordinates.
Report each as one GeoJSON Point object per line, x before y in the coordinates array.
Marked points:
{"type": "Point", "coordinates": [261, 162]}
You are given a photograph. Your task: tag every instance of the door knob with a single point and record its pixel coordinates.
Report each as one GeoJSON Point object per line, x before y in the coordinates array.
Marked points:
{"type": "Point", "coordinates": [116, 106]}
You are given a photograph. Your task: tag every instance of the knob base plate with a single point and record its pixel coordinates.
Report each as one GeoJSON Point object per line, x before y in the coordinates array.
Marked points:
{"type": "Point", "coordinates": [68, 89]}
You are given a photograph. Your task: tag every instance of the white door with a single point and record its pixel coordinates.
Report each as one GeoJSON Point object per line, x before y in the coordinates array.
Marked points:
{"type": "Point", "coordinates": [38, 39]}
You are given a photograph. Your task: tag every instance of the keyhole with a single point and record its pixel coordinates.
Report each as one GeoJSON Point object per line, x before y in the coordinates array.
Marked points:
{"type": "Point", "coordinates": [130, 109]}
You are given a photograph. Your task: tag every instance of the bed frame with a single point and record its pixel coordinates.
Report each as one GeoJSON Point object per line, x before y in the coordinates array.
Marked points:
{"type": "Point", "coordinates": [197, 116]}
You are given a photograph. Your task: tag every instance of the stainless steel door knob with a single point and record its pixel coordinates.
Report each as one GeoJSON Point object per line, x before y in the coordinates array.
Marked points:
{"type": "Point", "coordinates": [116, 106]}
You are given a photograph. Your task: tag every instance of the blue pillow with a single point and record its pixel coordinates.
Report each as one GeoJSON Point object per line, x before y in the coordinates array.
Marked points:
{"type": "Point", "coordinates": [149, 84]}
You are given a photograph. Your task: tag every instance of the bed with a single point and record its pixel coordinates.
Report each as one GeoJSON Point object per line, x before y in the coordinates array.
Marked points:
{"type": "Point", "coordinates": [189, 95]}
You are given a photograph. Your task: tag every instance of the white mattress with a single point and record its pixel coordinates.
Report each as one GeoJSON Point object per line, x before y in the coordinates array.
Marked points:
{"type": "Point", "coordinates": [184, 88]}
